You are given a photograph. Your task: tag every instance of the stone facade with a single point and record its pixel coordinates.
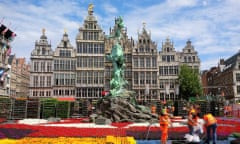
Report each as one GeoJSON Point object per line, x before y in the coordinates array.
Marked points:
{"type": "Point", "coordinates": [169, 62]}
{"type": "Point", "coordinates": [41, 71]}
{"type": "Point", "coordinates": [64, 69]}
{"type": "Point", "coordinates": [145, 68]}
{"type": "Point", "coordinates": [224, 79]}
{"type": "Point", "coordinates": [90, 57]}
{"type": "Point", "coordinates": [152, 74]}
{"type": "Point", "coordinates": [22, 78]}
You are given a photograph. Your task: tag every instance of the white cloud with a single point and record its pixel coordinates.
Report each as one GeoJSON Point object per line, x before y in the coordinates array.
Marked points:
{"type": "Point", "coordinates": [110, 8]}
{"type": "Point", "coordinates": [181, 3]}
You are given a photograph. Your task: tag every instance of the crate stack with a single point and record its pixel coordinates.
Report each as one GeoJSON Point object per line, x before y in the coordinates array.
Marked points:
{"type": "Point", "coordinates": [180, 108]}
{"type": "Point", "coordinates": [5, 107]}
{"type": "Point", "coordinates": [19, 108]}
{"type": "Point", "coordinates": [158, 107]}
{"type": "Point", "coordinates": [217, 108]}
{"type": "Point", "coordinates": [220, 109]}
{"type": "Point", "coordinates": [33, 108]}
{"type": "Point", "coordinates": [63, 109]}
{"type": "Point", "coordinates": [48, 108]}
{"type": "Point", "coordinates": [94, 105]}
{"type": "Point", "coordinates": [204, 107]}
{"type": "Point", "coordinates": [84, 107]}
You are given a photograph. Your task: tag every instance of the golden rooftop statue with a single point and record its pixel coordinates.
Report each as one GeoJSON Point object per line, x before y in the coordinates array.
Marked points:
{"type": "Point", "coordinates": [65, 30]}
{"type": "Point", "coordinates": [90, 9]}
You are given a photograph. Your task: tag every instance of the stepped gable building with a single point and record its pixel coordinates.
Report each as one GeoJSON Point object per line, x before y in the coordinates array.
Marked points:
{"type": "Point", "coordinates": [127, 45]}
{"type": "Point", "coordinates": [190, 57]}
{"type": "Point", "coordinates": [90, 58]}
{"type": "Point", "coordinates": [6, 37]}
{"type": "Point", "coordinates": [169, 62]}
{"type": "Point", "coordinates": [64, 67]}
{"type": "Point", "coordinates": [41, 71]}
{"type": "Point", "coordinates": [144, 69]}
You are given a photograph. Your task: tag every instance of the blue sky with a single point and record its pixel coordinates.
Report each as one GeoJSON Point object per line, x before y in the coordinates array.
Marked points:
{"type": "Point", "coordinates": [213, 26]}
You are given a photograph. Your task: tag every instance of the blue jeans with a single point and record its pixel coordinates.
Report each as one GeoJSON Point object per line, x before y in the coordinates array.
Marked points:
{"type": "Point", "coordinates": [212, 131]}
{"type": "Point", "coordinates": [190, 127]}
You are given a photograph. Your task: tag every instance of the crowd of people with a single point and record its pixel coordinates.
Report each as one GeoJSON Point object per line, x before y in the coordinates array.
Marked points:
{"type": "Point", "coordinates": [196, 124]}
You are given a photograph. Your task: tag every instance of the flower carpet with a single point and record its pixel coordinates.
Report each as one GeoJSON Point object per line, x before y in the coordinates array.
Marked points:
{"type": "Point", "coordinates": [72, 130]}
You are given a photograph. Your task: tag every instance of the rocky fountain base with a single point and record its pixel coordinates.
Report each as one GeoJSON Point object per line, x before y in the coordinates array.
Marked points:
{"type": "Point", "coordinates": [123, 108]}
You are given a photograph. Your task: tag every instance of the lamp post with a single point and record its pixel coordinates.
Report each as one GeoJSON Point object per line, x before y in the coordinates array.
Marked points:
{"type": "Point", "coordinates": [176, 90]}
{"type": "Point", "coordinates": [166, 91]}
{"type": "Point", "coordinates": [146, 92]}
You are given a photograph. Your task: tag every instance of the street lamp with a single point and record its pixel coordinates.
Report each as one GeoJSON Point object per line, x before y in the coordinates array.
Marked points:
{"type": "Point", "coordinates": [177, 90]}
{"type": "Point", "coordinates": [167, 86]}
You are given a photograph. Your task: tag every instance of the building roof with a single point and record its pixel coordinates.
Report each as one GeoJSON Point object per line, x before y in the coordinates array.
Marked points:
{"type": "Point", "coordinates": [231, 62]}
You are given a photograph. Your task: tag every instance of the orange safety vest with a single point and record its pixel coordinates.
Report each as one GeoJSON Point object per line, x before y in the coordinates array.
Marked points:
{"type": "Point", "coordinates": [210, 119]}
{"type": "Point", "coordinates": [192, 111]}
{"type": "Point", "coordinates": [164, 120]}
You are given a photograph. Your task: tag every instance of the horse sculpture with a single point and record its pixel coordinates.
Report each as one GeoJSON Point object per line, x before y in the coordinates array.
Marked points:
{"type": "Point", "coordinates": [117, 58]}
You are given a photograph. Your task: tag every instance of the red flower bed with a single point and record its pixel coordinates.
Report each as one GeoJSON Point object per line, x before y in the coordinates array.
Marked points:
{"type": "Point", "coordinates": [49, 131]}
{"type": "Point", "coordinates": [225, 128]}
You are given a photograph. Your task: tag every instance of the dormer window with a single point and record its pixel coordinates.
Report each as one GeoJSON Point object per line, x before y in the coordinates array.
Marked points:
{"type": "Point", "coordinates": [43, 51]}
{"type": "Point", "coordinates": [65, 44]}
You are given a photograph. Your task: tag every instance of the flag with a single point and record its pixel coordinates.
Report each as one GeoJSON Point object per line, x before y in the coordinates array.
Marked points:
{"type": "Point", "coordinates": [12, 37]}
{"type": "Point", "coordinates": [4, 31]}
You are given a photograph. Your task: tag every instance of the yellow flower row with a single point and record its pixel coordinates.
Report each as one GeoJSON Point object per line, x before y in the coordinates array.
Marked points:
{"type": "Point", "coordinates": [68, 140]}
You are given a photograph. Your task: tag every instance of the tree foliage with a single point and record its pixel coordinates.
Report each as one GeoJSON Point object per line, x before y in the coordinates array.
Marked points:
{"type": "Point", "coordinates": [189, 82]}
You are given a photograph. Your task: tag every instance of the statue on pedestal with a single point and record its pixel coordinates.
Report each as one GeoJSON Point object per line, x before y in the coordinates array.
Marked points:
{"type": "Point", "coordinates": [117, 57]}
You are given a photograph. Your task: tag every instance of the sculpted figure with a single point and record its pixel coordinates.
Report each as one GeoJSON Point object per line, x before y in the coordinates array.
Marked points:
{"type": "Point", "coordinates": [117, 83]}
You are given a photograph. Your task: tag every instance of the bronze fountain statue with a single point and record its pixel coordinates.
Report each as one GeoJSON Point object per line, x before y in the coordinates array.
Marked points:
{"type": "Point", "coordinates": [120, 104]}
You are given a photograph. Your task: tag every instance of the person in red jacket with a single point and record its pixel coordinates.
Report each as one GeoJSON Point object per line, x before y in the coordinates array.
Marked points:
{"type": "Point", "coordinates": [164, 122]}
{"type": "Point", "coordinates": [211, 126]}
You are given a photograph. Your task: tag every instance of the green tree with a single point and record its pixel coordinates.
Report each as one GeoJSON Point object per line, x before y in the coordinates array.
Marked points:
{"type": "Point", "coordinates": [190, 85]}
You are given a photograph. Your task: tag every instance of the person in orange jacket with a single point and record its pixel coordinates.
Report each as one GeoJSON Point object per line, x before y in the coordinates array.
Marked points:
{"type": "Point", "coordinates": [211, 126]}
{"type": "Point", "coordinates": [191, 121]}
{"type": "Point", "coordinates": [153, 109]}
{"type": "Point", "coordinates": [164, 122]}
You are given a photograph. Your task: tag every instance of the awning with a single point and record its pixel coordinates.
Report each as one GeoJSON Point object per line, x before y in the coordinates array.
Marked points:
{"type": "Point", "coordinates": [71, 99]}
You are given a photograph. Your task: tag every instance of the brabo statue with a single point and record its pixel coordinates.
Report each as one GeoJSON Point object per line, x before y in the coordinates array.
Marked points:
{"type": "Point", "coordinates": [117, 82]}
{"type": "Point", "coordinates": [120, 104]}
